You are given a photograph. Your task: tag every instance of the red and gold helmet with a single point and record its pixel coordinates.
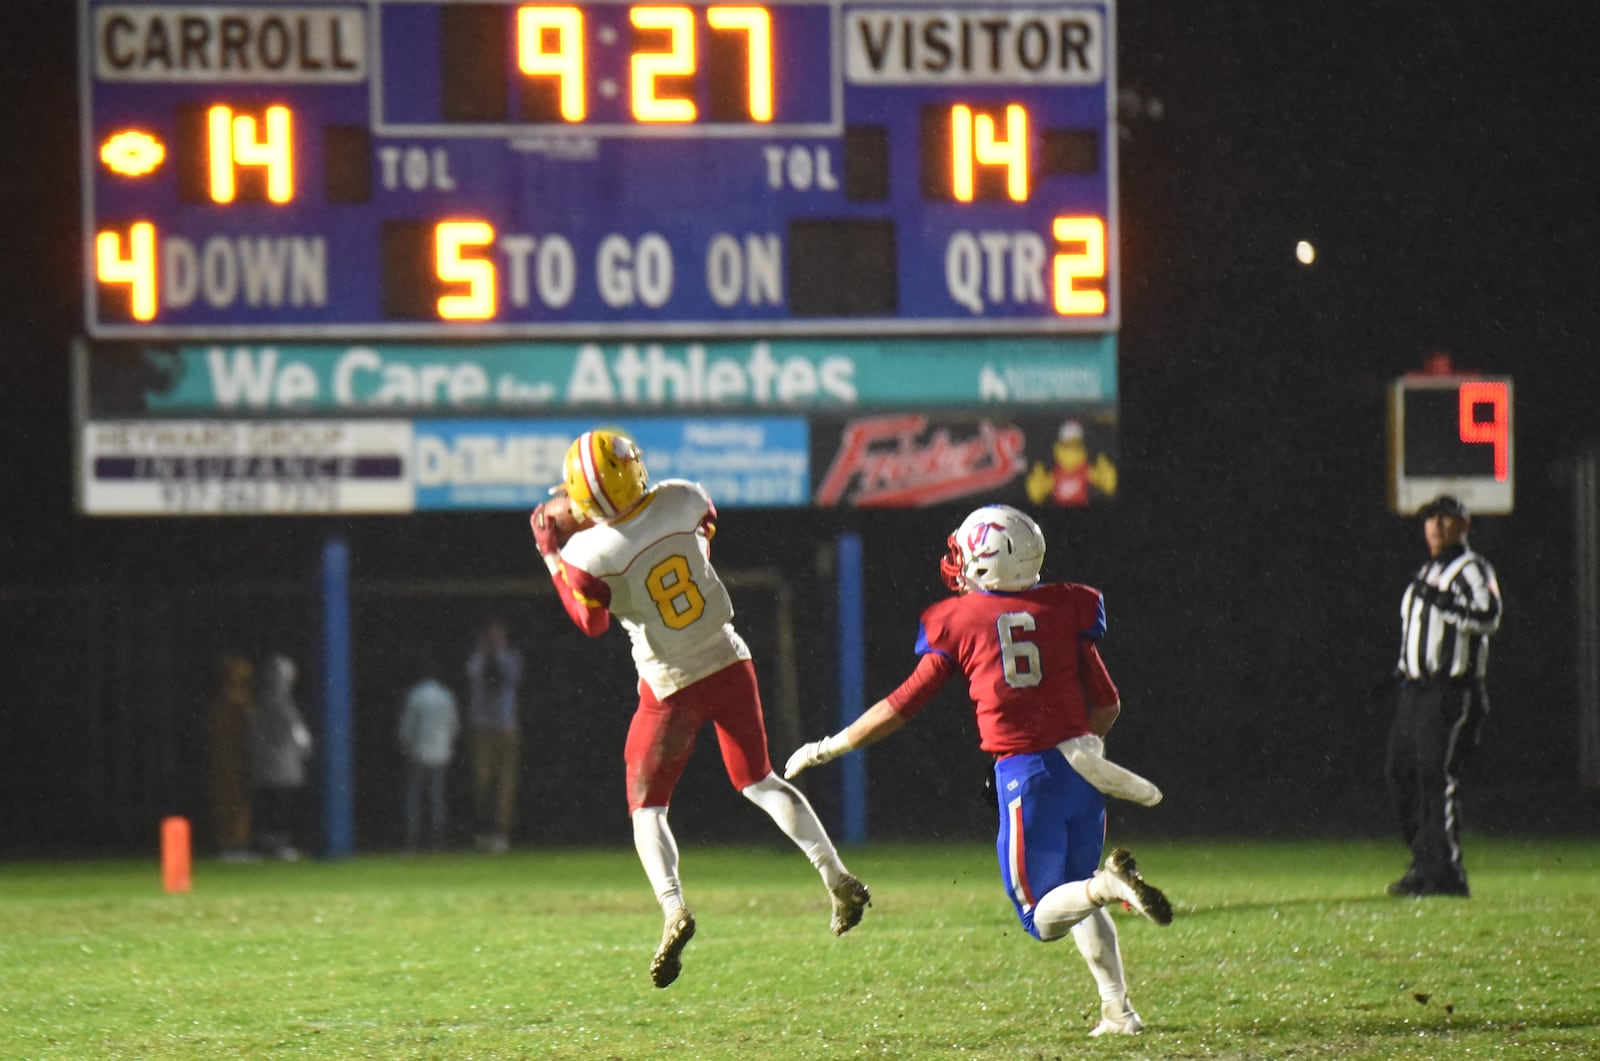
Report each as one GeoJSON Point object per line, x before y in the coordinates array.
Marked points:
{"type": "Point", "coordinates": [605, 474]}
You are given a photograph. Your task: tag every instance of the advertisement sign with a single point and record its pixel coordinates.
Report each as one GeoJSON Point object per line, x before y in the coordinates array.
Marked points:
{"type": "Point", "coordinates": [357, 379]}
{"type": "Point", "coordinates": [220, 467]}
{"type": "Point", "coordinates": [913, 460]}
{"type": "Point", "coordinates": [204, 429]}
{"type": "Point", "coordinates": [351, 467]}
{"type": "Point", "coordinates": [511, 464]}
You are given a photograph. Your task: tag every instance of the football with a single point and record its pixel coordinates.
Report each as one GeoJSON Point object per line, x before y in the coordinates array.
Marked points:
{"type": "Point", "coordinates": [559, 514]}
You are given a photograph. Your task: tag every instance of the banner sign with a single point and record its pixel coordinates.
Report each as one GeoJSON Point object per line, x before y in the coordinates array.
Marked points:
{"type": "Point", "coordinates": [511, 464]}
{"type": "Point", "coordinates": [283, 467]}
{"type": "Point", "coordinates": [523, 378]}
{"type": "Point", "coordinates": [221, 467]}
{"type": "Point", "coordinates": [231, 453]}
{"type": "Point", "coordinates": [913, 460]}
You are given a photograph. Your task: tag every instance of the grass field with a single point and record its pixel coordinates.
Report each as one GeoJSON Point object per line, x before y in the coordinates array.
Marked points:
{"type": "Point", "coordinates": [1284, 950]}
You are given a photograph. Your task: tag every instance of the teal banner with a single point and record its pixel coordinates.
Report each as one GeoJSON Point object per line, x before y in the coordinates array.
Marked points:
{"type": "Point", "coordinates": [254, 379]}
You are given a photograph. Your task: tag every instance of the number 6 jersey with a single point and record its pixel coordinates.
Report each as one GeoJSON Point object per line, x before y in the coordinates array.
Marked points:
{"type": "Point", "coordinates": [1030, 659]}
{"type": "Point", "coordinates": [651, 568]}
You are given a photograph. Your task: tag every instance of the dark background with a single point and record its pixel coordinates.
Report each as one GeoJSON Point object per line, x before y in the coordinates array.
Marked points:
{"type": "Point", "coordinates": [1439, 156]}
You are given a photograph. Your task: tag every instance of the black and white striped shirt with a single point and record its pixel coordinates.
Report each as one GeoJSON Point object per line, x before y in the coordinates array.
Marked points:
{"type": "Point", "coordinates": [1446, 617]}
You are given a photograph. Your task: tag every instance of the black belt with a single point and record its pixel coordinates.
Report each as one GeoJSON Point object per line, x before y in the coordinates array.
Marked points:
{"type": "Point", "coordinates": [1444, 680]}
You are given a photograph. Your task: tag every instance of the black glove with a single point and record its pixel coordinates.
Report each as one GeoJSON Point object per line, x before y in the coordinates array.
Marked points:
{"type": "Point", "coordinates": [990, 796]}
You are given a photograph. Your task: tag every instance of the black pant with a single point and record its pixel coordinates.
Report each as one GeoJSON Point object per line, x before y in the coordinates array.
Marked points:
{"type": "Point", "coordinates": [277, 815]}
{"type": "Point", "coordinates": [1435, 730]}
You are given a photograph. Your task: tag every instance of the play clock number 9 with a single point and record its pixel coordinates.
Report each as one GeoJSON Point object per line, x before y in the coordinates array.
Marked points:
{"type": "Point", "coordinates": [1451, 434]}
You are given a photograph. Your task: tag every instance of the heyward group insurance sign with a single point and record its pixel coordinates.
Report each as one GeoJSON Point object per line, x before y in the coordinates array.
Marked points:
{"type": "Point", "coordinates": [255, 429]}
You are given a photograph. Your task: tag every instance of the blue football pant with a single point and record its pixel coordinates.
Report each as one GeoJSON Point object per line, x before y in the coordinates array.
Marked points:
{"type": "Point", "coordinates": [1052, 828]}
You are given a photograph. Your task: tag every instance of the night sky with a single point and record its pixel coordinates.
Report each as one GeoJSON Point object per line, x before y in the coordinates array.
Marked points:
{"type": "Point", "coordinates": [1440, 155]}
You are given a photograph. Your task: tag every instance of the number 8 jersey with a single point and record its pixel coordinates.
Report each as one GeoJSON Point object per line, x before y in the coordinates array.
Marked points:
{"type": "Point", "coordinates": [651, 568]}
{"type": "Point", "coordinates": [1030, 658]}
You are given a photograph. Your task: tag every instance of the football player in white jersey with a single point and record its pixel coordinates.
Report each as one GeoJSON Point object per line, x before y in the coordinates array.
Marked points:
{"type": "Point", "coordinates": [646, 559]}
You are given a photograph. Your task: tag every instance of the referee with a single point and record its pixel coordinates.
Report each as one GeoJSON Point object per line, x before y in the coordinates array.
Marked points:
{"type": "Point", "coordinates": [1447, 615]}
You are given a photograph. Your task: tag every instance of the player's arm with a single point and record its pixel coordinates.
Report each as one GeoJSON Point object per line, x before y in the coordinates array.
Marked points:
{"type": "Point", "coordinates": [1105, 704]}
{"type": "Point", "coordinates": [707, 527]}
{"type": "Point", "coordinates": [586, 599]}
{"type": "Point", "coordinates": [708, 522]}
{"type": "Point", "coordinates": [880, 720]}
{"type": "Point", "coordinates": [1101, 719]}
{"type": "Point", "coordinates": [1476, 600]}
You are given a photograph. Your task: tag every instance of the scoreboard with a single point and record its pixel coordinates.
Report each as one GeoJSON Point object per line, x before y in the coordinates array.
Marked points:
{"type": "Point", "coordinates": [426, 169]}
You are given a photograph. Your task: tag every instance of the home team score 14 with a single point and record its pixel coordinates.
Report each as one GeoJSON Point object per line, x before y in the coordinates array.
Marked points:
{"type": "Point", "coordinates": [407, 168]}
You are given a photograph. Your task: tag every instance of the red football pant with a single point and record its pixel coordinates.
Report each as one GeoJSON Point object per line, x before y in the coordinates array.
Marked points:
{"type": "Point", "coordinates": [662, 734]}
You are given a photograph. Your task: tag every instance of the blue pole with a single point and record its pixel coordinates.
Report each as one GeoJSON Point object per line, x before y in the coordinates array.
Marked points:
{"type": "Point", "coordinates": [338, 828]}
{"type": "Point", "coordinates": [852, 687]}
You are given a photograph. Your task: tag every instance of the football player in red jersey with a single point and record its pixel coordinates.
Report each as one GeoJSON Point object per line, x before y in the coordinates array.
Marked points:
{"type": "Point", "coordinates": [646, 559]}
{"type": "Point", "coordinates": [1044, 701]}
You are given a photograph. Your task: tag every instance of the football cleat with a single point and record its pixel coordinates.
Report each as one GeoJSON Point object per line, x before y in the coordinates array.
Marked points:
{"type": "Point", "coordinates": [1122, 874]}
{"type": "Point", "coordinates": [1118, 1020]}
{"type": "Point", "coordinates": [668, 962]}
{"type": "Point", "coordinates": [850, 900]}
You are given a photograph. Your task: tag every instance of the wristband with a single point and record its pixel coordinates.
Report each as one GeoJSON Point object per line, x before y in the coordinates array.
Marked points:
{"type": "Point", "coordinates": [835, 746]}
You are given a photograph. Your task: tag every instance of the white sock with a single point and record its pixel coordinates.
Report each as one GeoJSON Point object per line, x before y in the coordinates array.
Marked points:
{"type": "Point", "coordinates": [1096, 937]}
{"type": "Point", "coordinates": [1103, 888]}
{"type": "Point", "coordinates": [786, 805]}
{"type": "Point", "coordinates": [658, 853]}
{"type": "Point", "coordinates": [1062, 907]}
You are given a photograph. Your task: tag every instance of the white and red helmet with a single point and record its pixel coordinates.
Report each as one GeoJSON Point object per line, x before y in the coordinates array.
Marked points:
{"type": "Point", "coordinates": [997, 547]}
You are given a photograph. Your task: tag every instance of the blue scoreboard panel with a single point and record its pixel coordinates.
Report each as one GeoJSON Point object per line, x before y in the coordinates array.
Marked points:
{"type": "Point", "coordinates": [441, 169]}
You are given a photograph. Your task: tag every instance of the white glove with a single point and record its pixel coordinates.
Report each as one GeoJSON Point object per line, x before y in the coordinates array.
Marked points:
{"type": "Point", "coordinates": [816, 753]}
{"type": "Point", "coordinates": [1087, 756]}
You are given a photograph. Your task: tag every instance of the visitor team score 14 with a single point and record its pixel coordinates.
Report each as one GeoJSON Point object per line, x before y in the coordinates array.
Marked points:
{"type": "Point", "coordinates": [430, 169]}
